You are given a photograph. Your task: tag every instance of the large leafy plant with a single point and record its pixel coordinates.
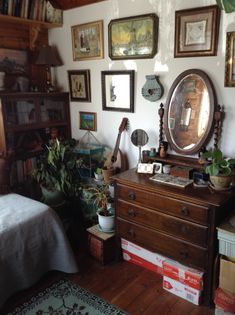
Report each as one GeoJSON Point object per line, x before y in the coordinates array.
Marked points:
{"type": "Point", "coordinates": [57, 169]}
{"type": "Point", "coordinates": [218, 165]}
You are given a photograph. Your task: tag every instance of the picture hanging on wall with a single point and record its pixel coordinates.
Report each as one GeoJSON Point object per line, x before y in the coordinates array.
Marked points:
{"type": "Point", "coordinates": [133, 37]}
{"type": "Point", "coordinates": [197, 31]}
{"type": "Point", "coordinates": [87, 121]}
{"type": "Point", "coordinates": [79, 85]}
{"type": "Point", "coordinates": [87, 41]}
{"type": "Point", "coordinates": [118, 90]}
{"type": "Point", "coordinates": [230, 60]}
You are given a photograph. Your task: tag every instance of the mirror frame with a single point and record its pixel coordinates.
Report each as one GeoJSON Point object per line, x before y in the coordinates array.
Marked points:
{"type": "Point", "coordinates": [213, 106]}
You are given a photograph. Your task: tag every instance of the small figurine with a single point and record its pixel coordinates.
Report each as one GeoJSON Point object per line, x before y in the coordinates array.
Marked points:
{"type": "Point", "coordinates": [163, 149]}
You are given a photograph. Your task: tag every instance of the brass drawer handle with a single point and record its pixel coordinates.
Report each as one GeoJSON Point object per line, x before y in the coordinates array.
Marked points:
{"type": "Point", "coordinates": [131, 213]}
{"type": "Point", "coordinates": [131, 195]}
{"type": "Point", "coordinates": [131, 233]}
{"type": "Point", "coordinates": [184, 210]}
{"type": "Point", "coordinates": [184, 254]}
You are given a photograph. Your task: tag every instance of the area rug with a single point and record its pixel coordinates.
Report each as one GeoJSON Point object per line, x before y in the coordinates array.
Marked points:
{"type": "Point", "coordinates": [66, 298]}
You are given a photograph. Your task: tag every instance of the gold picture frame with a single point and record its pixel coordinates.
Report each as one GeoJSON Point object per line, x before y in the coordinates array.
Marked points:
{"type": "Point", "coordinates": [197, 31]}
{"type": "Point", "coordinates": [87, 41]}
{"type": "Point", "coordinates": [230, 60]}
{"type": "Point", "coordinates": [79, 85]}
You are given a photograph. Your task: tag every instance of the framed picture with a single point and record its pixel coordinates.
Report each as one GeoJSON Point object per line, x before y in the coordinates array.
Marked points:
{"type": "Point", "coordinates": [197, 31]}
{"type": "Point", "coordinates": [87, 121]}
{"type": "Point", "coordinates": [79, 85]}
{"type": "Point", "coordinates": [230, 60]}
{"type": "Point", "coordinates": [133, 37]}
{"type": "Point", "coordinates": [118, 90]}
{"type": "Point", "coordinates": [87, 41]}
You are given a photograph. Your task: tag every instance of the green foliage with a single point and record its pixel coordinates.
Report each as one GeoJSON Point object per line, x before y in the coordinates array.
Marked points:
{"type": "Point", "coordinates": [218, 165]}
{"type": "Point", "coordinates": [100, 196]}
{"type": "Point", "coordinates": [57, 169]}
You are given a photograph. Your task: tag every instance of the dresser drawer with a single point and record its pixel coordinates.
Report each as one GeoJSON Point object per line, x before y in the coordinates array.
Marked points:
{"type": "Point", "coordinates": [195, 233]}
{"type": "Point", "coordinates": [164, 244]}
{"type": "Point", "coordinates": [168, 205]}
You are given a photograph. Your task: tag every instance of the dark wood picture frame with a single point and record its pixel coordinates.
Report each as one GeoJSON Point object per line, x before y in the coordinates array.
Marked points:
{"type": "Point", "coordinates": [118, 90]}
{"type": "Point", "coordinates": [197, 31]}
{"type": "Point", "coordinates": [230, 60]}
{"type": "Point", "coordinates": [88, 121]}
{"type": "Point", "coordinates": [79, 85]}
{"type": "Point", "coordinates": [133, 37]}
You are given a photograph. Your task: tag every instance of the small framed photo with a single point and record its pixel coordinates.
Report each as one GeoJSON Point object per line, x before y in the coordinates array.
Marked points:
{"type": "Point", "coordinates": [157, 168]}
{"type": "Point", "coordinates": [230, 60]}
{"type": "Point", "coordinates": [87, 41]}
{"type": "Point", "coordinates": [79, 85]}
{"type": "Point", "coordinates": [133, 37]}
{"type": "Point", "coordinates": [87, 121]}
{"type": "Point", "coordinates": [118, 90]}
{"type": "Point", "coordinates": [197, 31]}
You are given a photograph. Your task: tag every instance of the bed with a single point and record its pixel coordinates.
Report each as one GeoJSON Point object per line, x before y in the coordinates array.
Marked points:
{"type": "Point", "coordinates": [32, 242]}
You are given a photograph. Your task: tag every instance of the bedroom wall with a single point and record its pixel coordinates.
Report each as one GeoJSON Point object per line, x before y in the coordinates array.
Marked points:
{"type": "Point", "coordinates": [163, 64]}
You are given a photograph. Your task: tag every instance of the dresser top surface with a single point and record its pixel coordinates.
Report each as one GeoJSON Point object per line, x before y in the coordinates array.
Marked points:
{"type": "Point", "coordinates": [204, 196]}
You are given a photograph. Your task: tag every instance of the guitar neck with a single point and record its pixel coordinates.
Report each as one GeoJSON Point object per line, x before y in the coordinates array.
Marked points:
{"type": "Point", "coordinates": [116, 148]}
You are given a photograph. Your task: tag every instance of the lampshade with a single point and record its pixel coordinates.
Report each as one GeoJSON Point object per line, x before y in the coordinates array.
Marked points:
{"type": "Point", "coordinates": [48, 56]}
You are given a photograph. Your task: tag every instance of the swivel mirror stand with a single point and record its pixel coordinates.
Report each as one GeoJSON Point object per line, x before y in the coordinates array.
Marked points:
{"type": "Point", "coordinates": [139, 138]}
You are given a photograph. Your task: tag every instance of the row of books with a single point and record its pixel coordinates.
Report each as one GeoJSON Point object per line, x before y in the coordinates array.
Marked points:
{"type": "Point", "coordinates": [22, 170]}
{"type": "Point", "coordinates": [40, 10]}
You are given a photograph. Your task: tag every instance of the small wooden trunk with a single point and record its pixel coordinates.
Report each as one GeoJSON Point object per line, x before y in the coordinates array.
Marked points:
{"type": "Point", "coordinates": [101, 245]}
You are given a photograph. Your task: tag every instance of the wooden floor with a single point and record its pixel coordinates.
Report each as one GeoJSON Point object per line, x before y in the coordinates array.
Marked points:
{"type": "Point", "coordinates": [132, 288]}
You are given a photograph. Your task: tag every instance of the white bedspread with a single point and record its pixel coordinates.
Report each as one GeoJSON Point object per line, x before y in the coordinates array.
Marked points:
{"type": "Point", "coordinates": [32, 242]}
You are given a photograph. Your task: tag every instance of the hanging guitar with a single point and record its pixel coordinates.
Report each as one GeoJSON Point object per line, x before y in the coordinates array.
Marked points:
{"type": "Point", "coordinates": [116, 159]}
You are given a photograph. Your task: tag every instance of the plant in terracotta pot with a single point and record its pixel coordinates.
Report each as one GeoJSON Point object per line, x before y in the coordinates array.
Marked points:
{"type": "Point", "coordinates": [100, 196]}
{"type": "Point", "coordinates": [219, 168]}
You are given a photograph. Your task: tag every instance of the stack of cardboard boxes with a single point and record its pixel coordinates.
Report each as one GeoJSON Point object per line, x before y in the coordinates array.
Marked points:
{"type": "Point", "coordinates": [178, 279]}
{"type": "Point", "coordinates": [225, 293]}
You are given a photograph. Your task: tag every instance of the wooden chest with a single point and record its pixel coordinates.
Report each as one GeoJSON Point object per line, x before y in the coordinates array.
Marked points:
{"type": "Point", "coordinates": [175, 222]}
{"type": "Point", "coordinates": [101, 245]}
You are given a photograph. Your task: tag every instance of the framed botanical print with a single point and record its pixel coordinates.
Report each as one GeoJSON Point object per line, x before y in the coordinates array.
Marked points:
{"type": "Point", "coordinates": [87, 121]}
{"type": "Point", "coordinates": [118, 90]}
{"type": "Point", "coordinates": [230, 60]}
{"type": "Point", "coordinates": [196, 31]}
{"type": "Point", "coordinates": [87, 41]}
{"type": "Point", "coordinates": [79, 85]}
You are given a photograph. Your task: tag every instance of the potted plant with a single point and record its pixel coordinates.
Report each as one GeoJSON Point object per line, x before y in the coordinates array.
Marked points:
{"type": "Point", "coordinates": [219, 168]}
{"type": "Point", "coordinates": [57, 173]}
{"type": "Point", "coordinates": [100, 196]}
{"type": "Point", "coordinates": [98, 174]}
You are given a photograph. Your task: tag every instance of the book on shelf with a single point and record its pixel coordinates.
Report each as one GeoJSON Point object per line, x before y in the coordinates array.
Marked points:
{"type": "Point", "coordinates": [172, 180]}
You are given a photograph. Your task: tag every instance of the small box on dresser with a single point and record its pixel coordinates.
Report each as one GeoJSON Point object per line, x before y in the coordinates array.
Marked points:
{"type": "Point", "coordinates": [101, 245]}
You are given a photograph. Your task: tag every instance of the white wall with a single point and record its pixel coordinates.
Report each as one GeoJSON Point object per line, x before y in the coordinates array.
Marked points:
{"type": "Point", "coordinates": [163, 64]}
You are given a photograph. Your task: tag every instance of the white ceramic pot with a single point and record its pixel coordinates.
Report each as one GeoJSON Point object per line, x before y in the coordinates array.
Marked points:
{"type": "Point", "coordinates": [106, 223]}
{"type": "Point", "coordinates": [221, 181]}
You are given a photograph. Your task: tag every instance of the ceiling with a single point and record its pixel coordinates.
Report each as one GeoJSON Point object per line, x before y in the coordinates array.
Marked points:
{"type": "Point", "coordinates": [70, 4]}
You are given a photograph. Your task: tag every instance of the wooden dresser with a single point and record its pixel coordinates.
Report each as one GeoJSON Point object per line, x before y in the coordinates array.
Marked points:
{"type": "Point", "coordinates": [175, 222]}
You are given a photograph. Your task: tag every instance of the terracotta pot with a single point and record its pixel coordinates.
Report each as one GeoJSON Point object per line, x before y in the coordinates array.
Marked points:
{"type": "Point", "coordinates": [221, 181]}
{"type": "Point", "coordinates": [107, 175]}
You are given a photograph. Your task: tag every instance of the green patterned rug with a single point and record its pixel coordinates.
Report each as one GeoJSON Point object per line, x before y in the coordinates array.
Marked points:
{"type": "Point", "coordinates": [66, 298]}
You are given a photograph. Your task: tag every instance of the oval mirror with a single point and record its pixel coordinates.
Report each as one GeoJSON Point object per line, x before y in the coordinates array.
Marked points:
{"type": "Point", "coordinates": [190, 109]}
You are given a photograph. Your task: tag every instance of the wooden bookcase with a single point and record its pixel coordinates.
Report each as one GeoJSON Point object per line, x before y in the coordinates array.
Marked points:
{"type": "Point", "coordinates": [27, 123]}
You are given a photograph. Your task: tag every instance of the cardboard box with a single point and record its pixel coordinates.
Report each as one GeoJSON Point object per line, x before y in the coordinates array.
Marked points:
{"type": "Point", "coordinates": [190, 294]}
{"type": "Point", "coordinates": [153, 258]}
{"type": "Point", "coordinates": [227, 275]}
{"type": "Point", "coordinates": [186, 275]}
{"type": "Point", "coordinates": [220, 311]}
{"type": "Point", "coordinates": [141, 262]}
{"type": "Point", "coordinates": [225, 300]}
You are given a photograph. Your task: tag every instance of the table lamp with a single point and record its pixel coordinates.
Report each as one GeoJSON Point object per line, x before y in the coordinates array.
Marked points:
{"type": "Point", "coordinates": [48, 57]}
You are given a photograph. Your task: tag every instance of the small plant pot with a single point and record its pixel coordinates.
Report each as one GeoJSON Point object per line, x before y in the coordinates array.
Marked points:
{"type": "Point", "coordinates": [106, 223]}
{"type": "Point", "coordinates": [107, 175]}
{"type": "Point", "coordinates": [221, 181]}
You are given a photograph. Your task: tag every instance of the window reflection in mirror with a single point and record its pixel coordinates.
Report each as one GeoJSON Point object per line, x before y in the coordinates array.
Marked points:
{"type": "Point", "coordinates": [190, 110]}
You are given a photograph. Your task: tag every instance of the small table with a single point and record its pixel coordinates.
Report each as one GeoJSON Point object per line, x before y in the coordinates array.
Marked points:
{"type": "Point", "coordinates": [101, 245]}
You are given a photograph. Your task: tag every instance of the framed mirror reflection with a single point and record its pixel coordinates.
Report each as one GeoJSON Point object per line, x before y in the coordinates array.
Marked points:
{"type": "Point", "coordinates": [190, 111]}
